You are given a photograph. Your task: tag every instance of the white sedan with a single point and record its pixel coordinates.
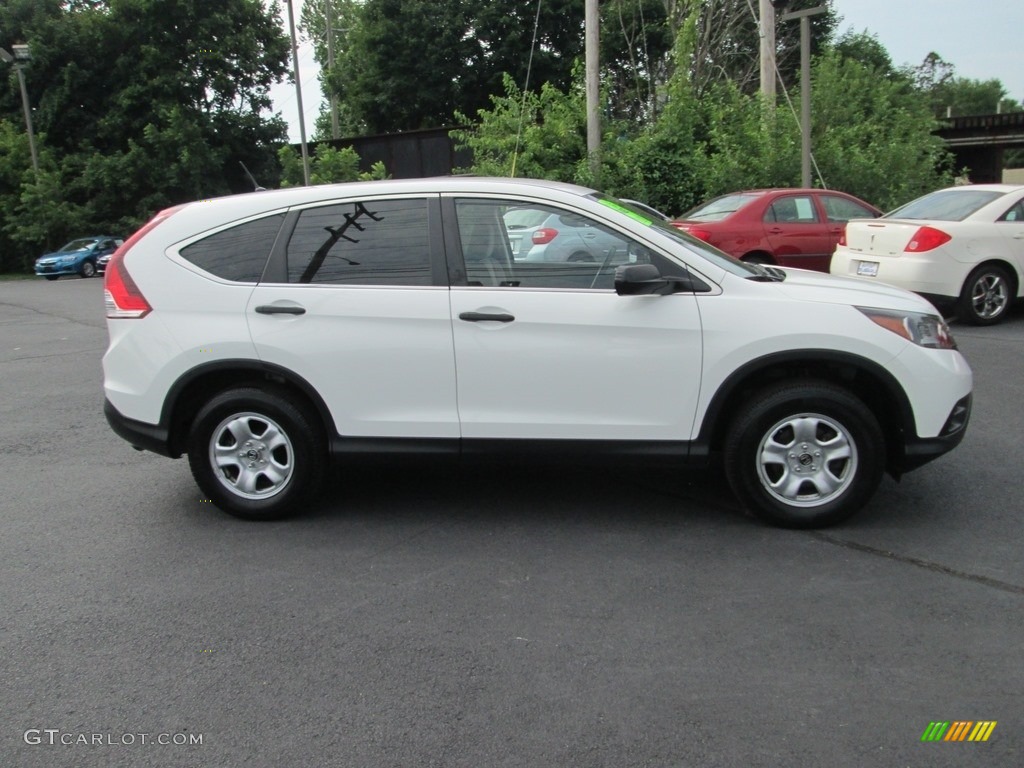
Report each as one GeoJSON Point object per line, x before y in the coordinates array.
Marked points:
{"type": "Point", "coordinates": [961, 248]}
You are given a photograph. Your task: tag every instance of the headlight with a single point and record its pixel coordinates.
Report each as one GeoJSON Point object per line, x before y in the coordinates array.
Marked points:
{"type": "Point", "coordinates": [922, 329]}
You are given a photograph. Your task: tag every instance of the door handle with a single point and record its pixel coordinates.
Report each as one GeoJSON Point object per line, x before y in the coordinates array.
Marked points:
{"type": "Point", "coordinates": [274, 309]}
{"type": "Point", "coordinates": [480, 317]}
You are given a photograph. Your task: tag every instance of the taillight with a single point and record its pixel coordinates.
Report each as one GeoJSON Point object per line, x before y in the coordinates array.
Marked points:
{"type": "Point", "coordinates": [121, 295]}
{"type": "Point", "coordinates": [925, 239]}
{"type": "Point", "coordinates": [544, 235]}
{"type": "Point", "coordinates": [700, 234]}
{"type": "Point", "coordinates": [842, 235]}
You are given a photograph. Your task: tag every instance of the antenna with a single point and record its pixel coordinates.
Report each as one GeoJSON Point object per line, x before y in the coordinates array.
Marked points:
{"type": "Point", "coordinates": [255, 185]}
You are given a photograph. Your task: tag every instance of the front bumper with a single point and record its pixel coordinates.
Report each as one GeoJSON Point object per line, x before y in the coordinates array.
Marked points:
{"type": "Point", "coordinates": [918, 451]}
{"type": "Point", "coordinates": [53, 269]}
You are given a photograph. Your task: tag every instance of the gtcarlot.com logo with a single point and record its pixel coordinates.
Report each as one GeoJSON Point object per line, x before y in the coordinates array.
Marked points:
{"type": "Point", "coordinates": [55, 736]}
{"type": "Point", "coordinates": [958, 730]}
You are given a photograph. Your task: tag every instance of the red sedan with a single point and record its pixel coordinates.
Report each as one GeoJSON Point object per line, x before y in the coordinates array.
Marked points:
{"type": "Point", "coordinates": [786, 227]}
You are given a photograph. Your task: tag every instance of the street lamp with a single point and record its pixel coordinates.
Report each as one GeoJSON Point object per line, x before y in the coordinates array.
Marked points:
{"type": "Point", "coordinates": [19, 59]}
{"type": "Point", "coordinates": [805, 82]}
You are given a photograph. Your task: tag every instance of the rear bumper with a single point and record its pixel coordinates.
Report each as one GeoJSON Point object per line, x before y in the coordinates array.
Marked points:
{"type": "Point", "coordinates": [141, 436]}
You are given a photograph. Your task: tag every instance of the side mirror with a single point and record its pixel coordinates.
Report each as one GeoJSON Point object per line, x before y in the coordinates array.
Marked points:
{"type": "Point", "coordinates": [638, 280]}
{"type": "Point", "coordinates": [645, 280]}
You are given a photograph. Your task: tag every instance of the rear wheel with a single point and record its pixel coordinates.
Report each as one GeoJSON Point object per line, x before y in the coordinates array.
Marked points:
{"type": "Point", "coordinates": [986, 295]}
{"type": "Point", "coordinates": [804, 455]}
{"type": "Point", "coordinates": [255, 454]}
{"type": "Point", "coordinates": [580, 256]}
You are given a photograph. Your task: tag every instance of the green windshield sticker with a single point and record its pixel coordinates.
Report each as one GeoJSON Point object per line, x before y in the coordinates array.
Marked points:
{"type": "Point", "coordinates": [622, 209]}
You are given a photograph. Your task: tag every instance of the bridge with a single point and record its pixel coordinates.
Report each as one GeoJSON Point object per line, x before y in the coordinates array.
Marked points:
{"type": "Point", "coordinates": [979, 141]}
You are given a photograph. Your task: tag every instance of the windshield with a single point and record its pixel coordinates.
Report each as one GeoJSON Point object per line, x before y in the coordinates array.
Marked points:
{"type": "Point", "coordinates": [712, 254]}
{"type": "Point", "coordinates": [946, 205]}
{"type": "Point", "coordinates": [79, 245]}
{"type": "Point", "coordinates": [719, 208]}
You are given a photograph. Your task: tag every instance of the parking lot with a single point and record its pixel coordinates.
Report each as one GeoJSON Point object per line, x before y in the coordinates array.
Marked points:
{"type": "Point", "coordinates": [498, 616]}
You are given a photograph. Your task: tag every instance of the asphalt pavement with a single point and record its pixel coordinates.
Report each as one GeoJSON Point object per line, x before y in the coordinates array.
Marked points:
{"type": "Point", "coordinates": [489, 616]}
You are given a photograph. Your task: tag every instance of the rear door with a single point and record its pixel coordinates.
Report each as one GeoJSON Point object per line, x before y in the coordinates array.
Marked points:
{"type": "Point", "coordinates": [355, 301]}
{"type": "Point", "coordinates": [797, 233]}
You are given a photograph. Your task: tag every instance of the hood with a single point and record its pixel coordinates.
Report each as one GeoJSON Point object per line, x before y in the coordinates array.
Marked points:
{"type": "Point", "coordinates": [805, 285]}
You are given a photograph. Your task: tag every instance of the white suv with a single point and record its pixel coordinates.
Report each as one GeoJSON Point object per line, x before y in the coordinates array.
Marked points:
{"type": "Point", "coordinates": [264, 334]}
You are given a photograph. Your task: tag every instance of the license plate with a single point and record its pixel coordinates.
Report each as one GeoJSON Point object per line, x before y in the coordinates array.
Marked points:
{"type": "Point", "coordinates": [867, 269]}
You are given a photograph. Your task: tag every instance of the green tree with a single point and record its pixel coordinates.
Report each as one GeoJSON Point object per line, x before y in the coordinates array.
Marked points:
{"type": "Point", "coordinates": [146, 103]}
{"type": "Point", "coordinates": [872, 137]}
{"type": "Point", "coordinates": [326, 166]}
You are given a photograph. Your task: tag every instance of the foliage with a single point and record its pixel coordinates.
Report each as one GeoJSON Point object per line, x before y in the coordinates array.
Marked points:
{"type": "Point", "coordinates": [327, 165]}
{"type": "Point", "coordinates": [872, 135]}
{"type": "Point", "coordinates": [139, 104]}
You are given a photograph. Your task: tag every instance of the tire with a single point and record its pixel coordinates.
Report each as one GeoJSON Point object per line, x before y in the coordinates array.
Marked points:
{"type": "Point", "coordinates": [278, 474]}
{"type": "Point", "coordinates": [88, 269]}
{"type": "Point", "coordinates": [776, 439]}
{"type": "Point", "coordinates": [986, 296]}
{"type": "Point", "coordinates": [51, 277]}
{"type": "Point", "coordinates": [757, 258]}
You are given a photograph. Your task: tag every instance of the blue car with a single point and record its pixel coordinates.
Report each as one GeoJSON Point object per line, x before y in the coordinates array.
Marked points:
{"type": "Point", "coordinates": [79, 257]}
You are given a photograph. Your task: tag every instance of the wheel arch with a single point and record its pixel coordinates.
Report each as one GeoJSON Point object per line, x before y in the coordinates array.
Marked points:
{"type": "Point", "coordinates": [1011, 269]}
{"type": "Point", "coordinates": [188, 394]}
{"type": "Point", "coordinates": [870, 382]}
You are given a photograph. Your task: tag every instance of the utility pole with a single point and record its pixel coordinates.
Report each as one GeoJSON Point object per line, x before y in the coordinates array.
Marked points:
{"type": "Point", "coordinates": [768, 51]}
{"type": "Point", "coordinates": [298, 95]}
{"type": "Point", "coordinates": [20, 57]}
{"type": "Point", "coordinates": [335, 130]}
{"type": "Point", "coordinates": [591, 37]}
{"type": "Point", "coordinates": [805, 87]}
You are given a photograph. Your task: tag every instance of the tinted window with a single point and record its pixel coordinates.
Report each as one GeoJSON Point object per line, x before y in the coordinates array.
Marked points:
{"type": "Point", "coordinates": [946, 205]}
{"type": "Point", "coordinates": [841, 209]}
{"type": "Point", "coordinates": [238, 253]}
{"type": "Point", "coordinates": [790, 210]}
{"type": "Point", "coordinates": [383, 242]}
{"type": "Point", "coordinates": [1014, 214]}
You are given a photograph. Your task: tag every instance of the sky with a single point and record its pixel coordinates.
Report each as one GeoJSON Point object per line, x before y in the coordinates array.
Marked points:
{"type": "Point", "coordinates": [982, 39]}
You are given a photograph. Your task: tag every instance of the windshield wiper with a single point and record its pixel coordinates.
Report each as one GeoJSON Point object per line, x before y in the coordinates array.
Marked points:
{"type": "Point", "coordinates": [766, 274]}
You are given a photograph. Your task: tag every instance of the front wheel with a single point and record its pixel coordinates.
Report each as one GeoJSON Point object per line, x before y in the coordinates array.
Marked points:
{"type": "Point", "coordinates": [88, 269]}
{"type": "Point", "coordinates": [986, 295]}
{"type": "Point", "coordinates": [804, 455]}
{"type": "Point", "coordinates": [255, 454]}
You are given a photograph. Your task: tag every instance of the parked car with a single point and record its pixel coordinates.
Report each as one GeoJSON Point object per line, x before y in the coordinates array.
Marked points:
{"type": "Point", "coordinates": [962, 248]}
{"type": "Point", "coordinates": [539, 234]}
{"type": "Point", "coordinates": [262, 335]}
{"type": "Point", "coordinates": [79, 257]}
{"type": "Point", "coordinates": [787, 227]}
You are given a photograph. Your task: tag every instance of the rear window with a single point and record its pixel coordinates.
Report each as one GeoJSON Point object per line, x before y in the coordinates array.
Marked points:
{"type": "Point", "coordinates": [719, 208]}
{"type": "Point", "coordinates": [946, 205]}
{"type": "Point", "coordinates": [238, 253]}
{"type": "Point", "coordinates": [524, 218]}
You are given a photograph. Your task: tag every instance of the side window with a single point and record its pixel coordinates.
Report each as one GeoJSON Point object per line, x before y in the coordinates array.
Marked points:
{"type": "Point", "coordinates": [841, 209]}
{"type": "Point", "coordinates": [1014, 214]}
{"type": "Point", "coordinates": [796, 209]}
{"type": "Point", "coordinates": [238, 253]}
{"type": "Point", "coordinates": [379, 242]}
{"type": "Point", "coordinates": [510, 244]}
